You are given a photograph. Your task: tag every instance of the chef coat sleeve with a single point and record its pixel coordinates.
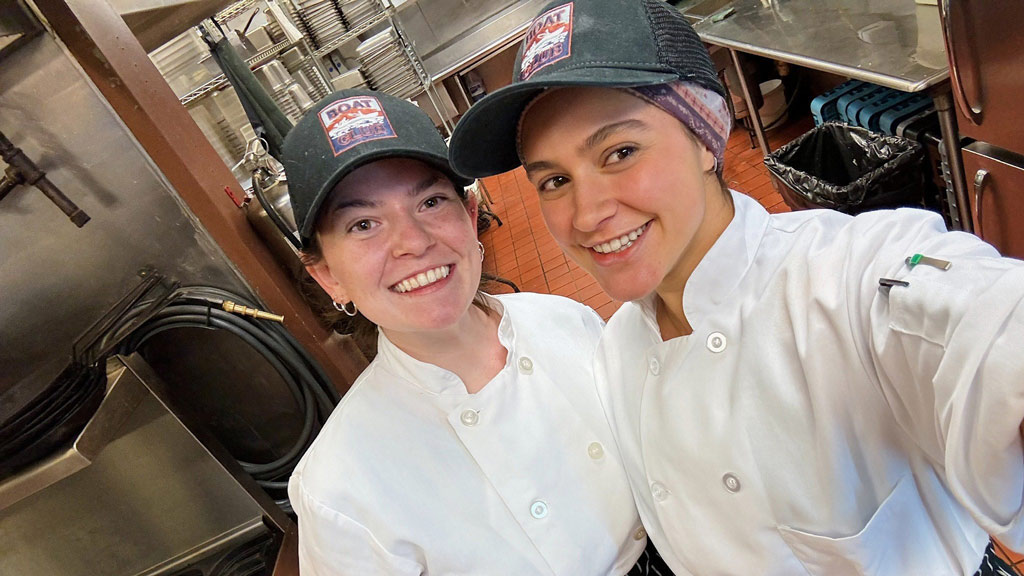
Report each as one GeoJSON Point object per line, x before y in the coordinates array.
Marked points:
{"type": "Point", "coordinates": [948, 352]}
{"type": "Point", "coordinates": [332, 544]}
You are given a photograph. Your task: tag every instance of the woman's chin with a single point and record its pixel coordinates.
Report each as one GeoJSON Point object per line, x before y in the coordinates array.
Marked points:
{"type": "Point", "coordinates": [624, 290]}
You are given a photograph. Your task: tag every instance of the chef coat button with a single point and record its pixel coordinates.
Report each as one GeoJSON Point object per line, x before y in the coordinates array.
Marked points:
{"type": "Point", "coordinates": [470, 417]}
{"type": "Point", "coordinates": [716, 342]}
{"type": "Point", "coordinates": [526, 365]}
{"type": "Point", "coordinates": [640, 534]}
{"type": "Point", "coordinates": [731, 482]}
{"type": "Point", "coordinates": [539, 509]}
{"type": "Point", "coordinates": [595, 450]}
{"type": "Point", "coordinates": [659, 492]}
{"type": "Point", "coordinates": [654, 365]}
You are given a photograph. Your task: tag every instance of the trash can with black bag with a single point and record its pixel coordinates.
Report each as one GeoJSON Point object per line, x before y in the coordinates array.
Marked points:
{"type": "Point", "coordinates": [849, 169]}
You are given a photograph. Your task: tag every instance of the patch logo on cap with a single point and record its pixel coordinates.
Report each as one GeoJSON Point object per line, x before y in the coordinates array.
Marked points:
{"type": "Point", "coordinates": [353, 121]}
{"type": "Point", "coordinates": [548, 40]}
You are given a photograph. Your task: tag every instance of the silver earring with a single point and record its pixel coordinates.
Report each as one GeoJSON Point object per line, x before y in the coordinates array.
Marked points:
{"type": "Point", "coordinates": [480, 245]}
{"type": "Point", "coordinates": [344, 308]}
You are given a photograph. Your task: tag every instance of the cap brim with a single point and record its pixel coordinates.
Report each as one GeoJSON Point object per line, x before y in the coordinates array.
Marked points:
{"type": "Point", "coordinates": [440, 163]}
{"type": "Point", "coordinates": [484, 140]}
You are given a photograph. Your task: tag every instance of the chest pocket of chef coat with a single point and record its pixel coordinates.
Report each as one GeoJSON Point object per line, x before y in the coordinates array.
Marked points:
{"type": "Point", "coordinates": [900, 537]}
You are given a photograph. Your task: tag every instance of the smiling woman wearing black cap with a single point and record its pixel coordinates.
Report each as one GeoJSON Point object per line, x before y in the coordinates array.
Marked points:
{"type": "Point", "coordinates": [474, 443]}
{"type": "Point", "coordinates": [805, 393]}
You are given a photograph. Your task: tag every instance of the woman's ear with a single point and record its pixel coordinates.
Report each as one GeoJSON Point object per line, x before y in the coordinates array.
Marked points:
{"type": "Point", "coordinates": [708, 162]}
{"type": "Point", "coordinates": [473, 208]}
{"type": "Point", "coordinates": [322, 274]}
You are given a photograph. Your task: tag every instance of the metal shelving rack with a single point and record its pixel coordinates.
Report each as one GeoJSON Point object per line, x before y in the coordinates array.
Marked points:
{"type": "Point", "coordinates": [312, 64]}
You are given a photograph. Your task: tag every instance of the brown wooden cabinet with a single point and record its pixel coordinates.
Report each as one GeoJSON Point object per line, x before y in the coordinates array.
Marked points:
{"type": "Point", "coordinates": [996, 181]}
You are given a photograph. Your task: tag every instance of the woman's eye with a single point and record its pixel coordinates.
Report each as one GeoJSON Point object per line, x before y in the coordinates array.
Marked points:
{"type": "Point", "coordinates": [433, 201]}
{"type": "Point", "coordinates": [361, 226]}
{"type": "Point", "coordinates": [553, 183]}
{"type": "Point", "coordinates": [621, 154]}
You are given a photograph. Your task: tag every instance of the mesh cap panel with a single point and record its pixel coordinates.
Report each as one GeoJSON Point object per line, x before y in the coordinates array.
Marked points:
{"type": "Point", "coordinates": [679, 47]}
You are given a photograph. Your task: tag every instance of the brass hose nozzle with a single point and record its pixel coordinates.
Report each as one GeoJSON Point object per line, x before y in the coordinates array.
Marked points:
{"type": "Point", "coordinates": [255, 313]}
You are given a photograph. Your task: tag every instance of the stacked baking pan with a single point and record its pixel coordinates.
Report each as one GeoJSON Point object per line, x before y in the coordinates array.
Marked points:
{"type": "Point", "coordinates": [321, 18]}
{"type": "Point", "coordinates": [179, 62]}
{"type": "Point", "coordinates": [386, 65]}
{"type": "Point", "coordinates": [291, 98]}
{"type": "Point", "coordinates": [358, 11]}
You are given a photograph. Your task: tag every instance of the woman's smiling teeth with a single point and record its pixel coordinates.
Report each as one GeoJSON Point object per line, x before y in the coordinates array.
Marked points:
{"type": "Point", "coordinates": [619, 244]}
{"type": "Point", "coordinates": [422, 279]}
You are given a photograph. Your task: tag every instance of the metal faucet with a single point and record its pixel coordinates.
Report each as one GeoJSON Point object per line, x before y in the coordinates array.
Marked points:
{"type": "Point", "coordinates": [22, 170]}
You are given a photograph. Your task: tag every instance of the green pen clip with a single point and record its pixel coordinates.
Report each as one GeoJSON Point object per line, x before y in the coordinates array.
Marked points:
{"type": "Point", "coordinates": [928, 261]}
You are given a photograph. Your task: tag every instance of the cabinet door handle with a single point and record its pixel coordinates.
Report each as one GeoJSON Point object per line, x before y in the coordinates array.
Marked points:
{"type": "Point", "coordinates": [973, 112]}
{"type": "Point", "coordinates": [980, 179]}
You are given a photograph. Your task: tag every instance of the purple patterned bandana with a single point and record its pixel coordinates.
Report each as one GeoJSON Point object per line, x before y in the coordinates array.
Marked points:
{"type": "Point", "coordinates": [702, 111]}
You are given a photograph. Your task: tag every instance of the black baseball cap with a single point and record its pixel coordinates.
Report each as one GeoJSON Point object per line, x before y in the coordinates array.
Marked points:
{"type": "Point", "coordinates": [346, 130]}
{"type": "Point", "coordinates": [611, 43]}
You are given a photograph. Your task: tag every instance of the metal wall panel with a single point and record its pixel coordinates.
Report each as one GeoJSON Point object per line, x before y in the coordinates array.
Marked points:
{"type": "Point", "coordinates": [433, 24]}
{"type": "Point", "coordinates": [56, 279]}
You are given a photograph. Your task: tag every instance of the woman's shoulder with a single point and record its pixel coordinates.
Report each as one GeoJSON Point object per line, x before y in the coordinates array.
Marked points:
{"type": "Point", "coordinates": [544, 307]}
{"type": "Point", "coordinates": [547, 320]}
{"type": "Point", "coordinates": [832, 226]}
{"type": "Point", "coordinates": [343, 439]}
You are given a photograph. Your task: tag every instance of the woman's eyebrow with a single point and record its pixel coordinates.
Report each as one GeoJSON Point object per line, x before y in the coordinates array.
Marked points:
{"type": "Point", "coordinates": [593, 140]}
{"type": "Point", "coordinates": [350, 203]}
{"type": "Point", "coordinates": [607, 130]}
{"type": "Point", "coordinates": [536, 166]}
{"type": "Point", "coordinates": [425, 184]}
{"type": "Point", "coordinates": [362, 202]}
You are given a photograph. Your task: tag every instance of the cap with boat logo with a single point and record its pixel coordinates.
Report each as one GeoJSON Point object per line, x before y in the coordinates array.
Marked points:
{"type": "Point", "coordinates": [608, 43]}
{"type": "Point", "coordinates": [346, 130]}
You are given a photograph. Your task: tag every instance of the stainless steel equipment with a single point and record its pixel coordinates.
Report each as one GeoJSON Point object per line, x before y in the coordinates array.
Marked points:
{"type": "Point", "coordinates": [16, 26]}
{"type": "Point", "coordinates": [452, 36]}
{"type": "Point", "coordinates": [85, 103]}
{"type": "Point", "coordinates": [140, 493]}
{"type": "Point", "coordinates": [836, 36]}
{"type": "Point", "coordinates": [984, 42]}
{"type": "Point", "coordinates": [56, 278]}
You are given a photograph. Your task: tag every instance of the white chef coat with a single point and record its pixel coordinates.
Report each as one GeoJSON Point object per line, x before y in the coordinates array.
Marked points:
{"type": "Point", "coordinates": [812, 423]}
{"type": "Point", "coordinates": [413, 475]}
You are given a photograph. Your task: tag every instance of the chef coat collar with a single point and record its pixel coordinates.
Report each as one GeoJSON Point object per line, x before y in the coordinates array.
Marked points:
{"type": "Point", "coordinates": [434, 379]}
{"type": "Point", "coordinates": [718, 274]}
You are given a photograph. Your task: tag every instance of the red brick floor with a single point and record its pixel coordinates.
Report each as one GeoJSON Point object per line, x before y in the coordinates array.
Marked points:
{"type": "Point", "coordinates": [523, 251]}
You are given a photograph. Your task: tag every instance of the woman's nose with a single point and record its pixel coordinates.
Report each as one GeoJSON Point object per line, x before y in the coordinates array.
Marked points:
{"type": "Point", "coordinates": [594, 203]}
{"type": "Point", "coordinates": [410, 237]}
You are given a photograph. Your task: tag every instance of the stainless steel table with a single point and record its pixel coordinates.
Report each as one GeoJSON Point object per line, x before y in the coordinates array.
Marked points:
{"type": "Point", "coordinates": [894, 43]}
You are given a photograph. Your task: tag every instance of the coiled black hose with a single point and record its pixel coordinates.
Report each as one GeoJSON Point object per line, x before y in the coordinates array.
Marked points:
{"type": "Point", "coordinates": [200, 307]}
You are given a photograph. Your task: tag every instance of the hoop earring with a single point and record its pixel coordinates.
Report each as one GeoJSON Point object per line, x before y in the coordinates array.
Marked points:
{"type": "Point", "coordinates": [344, 308]}
{"type": "Point", "coordinates": [480, 245]}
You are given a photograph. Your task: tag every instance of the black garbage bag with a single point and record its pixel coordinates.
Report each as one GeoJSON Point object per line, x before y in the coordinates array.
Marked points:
{"type": "Point", "coordinates": [849, 169]}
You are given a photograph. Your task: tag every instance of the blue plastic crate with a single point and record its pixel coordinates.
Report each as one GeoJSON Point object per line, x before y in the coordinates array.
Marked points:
{"type": "Point", "coordinates": [823, 107]}
{"type": "Point", "coordinates": [854, 98]}
{"type": "Point", "coordinates": [893, 116]}
{"type": "Point", "coordinates": [871, 114]}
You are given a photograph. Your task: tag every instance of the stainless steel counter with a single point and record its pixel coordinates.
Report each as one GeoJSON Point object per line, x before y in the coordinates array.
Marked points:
{"type": "Point", "coordinates": [894, 43]}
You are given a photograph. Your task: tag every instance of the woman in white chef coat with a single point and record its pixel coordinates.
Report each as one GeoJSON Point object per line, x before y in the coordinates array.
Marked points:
{"type": "Point", "coordinates": [791, 394]}
{"type": "Point", "coordinates": [475, 442]}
